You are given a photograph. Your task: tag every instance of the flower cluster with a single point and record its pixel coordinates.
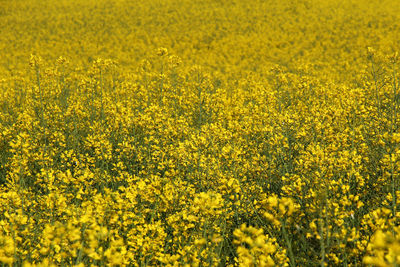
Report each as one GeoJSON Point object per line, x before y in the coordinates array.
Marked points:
{"type": "Point", "coordinates": [199, 133]}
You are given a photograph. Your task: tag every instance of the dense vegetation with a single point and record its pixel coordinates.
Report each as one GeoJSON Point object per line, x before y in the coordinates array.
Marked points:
{"type": "Point", "coordinates": [200, 133]}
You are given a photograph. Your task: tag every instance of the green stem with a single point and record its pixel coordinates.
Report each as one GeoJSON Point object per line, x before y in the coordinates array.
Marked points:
{"type": "Point", "coordinates": [288, 243]}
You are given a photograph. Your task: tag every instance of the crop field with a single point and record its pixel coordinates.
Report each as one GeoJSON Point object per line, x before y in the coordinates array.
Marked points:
{"type": "Point", "coordinates": [199, 133]}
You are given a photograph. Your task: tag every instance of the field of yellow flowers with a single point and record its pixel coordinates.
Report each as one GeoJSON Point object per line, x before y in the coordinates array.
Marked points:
{"type": "Point", "coordinates": [199, 133]}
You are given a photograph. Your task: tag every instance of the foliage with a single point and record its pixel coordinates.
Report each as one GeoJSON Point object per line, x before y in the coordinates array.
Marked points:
{"type": "Point", "coordinates": [241, 133]}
